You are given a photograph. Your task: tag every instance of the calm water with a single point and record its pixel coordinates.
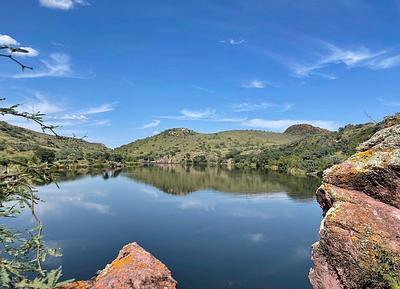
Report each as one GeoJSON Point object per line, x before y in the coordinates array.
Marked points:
{"type": "Point", "coordinates": [213, 228]}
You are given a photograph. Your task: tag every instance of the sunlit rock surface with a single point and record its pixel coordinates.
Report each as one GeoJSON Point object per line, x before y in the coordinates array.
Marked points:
{"type": "Point", "coordinates": [359, 243]}
{"type": "Point", "coordinates": [134, 268]}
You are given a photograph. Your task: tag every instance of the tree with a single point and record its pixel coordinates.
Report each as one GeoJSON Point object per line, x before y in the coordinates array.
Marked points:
{"type": "Point", "coordinates": [45, 155]}
{"type": "Point", "coordinates": [22, 255]}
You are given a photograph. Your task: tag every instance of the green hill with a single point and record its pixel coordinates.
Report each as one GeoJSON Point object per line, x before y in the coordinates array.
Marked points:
{"type": "Point", "coordinates": [27, 145]}
{"type": "Point", "coordinates": [301, 149]}
{"type": "Point", "coordinates": [182, 144]}
{"type": "Point", "coordinates": [313, 153]}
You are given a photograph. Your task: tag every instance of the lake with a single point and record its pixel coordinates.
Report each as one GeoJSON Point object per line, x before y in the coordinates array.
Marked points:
{"type": "Point", "coordinates": [213, 228]}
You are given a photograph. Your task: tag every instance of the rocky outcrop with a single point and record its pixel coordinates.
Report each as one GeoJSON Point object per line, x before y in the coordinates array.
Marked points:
{"type": "Point", "coordinates": [134, 268]}
{"type": "Point", "coordinates": [359, 243]}
{"type": "Point", "coordinates": [167, 160]}
{"type": "Point", "coordinates": [302, 129]}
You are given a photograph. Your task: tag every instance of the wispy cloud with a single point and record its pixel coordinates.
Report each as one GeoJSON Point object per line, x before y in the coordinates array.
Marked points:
{"type": "Point", "coordinates": [151, 124]}
{"type": "Point", "coordinates": [40, 104]}
{"type": "Point", "coordinates": [385, 62]}
{"type": "Point", "coordinates": [62, 4]}
{"type": "Point", "coordinates": [255, 84]}
{"type": "Point", "coordinates": [246, 106]}
{"type": "Point", "coordinates": [255, 238]}
{"type": "Point", "coordinates": [198, 114]}
{"type": "Point", "coordinates": [389, 103]}
{"type": "Point", "coordinates": [58, 114]}
{"type": "Point", "coordinates": [203, 89]}
{"type": "Point", "coordinates": [106, 107]}
{"type": "Point", "coordinates": [282, 124]}
{"type": "Point", "coordinates": [187, 114]}
{"type": "Point", "coordinates": [232, 41]}
{"type": "Point", "coordinates": [350, 58]}
{"type": "Point", "coordinates": [210, 115]}
{"type": "Point", "coordinates": [58, 65]}
{"type": "Point", "coordinates": [287, 106]}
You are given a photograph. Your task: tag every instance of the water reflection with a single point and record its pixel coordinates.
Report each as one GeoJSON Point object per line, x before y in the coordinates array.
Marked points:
{"type": "Point", "coordinates": [214, 228]}
{"type": "Point", "coordinates": [178, 180]}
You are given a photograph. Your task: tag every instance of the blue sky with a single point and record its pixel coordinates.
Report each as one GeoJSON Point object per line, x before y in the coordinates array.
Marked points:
{"type": "Point", "coordinates": [122, 70]}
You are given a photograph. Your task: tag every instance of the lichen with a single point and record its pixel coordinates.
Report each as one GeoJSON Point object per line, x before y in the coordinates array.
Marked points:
{"type": "Point", "coordinates": [383, 272]}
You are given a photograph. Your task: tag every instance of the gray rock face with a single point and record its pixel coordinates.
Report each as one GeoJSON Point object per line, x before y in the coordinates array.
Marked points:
{"type": "Point", "coordinates": [359, 243]}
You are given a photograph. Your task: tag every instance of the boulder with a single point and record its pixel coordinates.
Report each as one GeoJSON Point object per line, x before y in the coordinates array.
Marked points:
{"type": "Point", "coordinates": [134, 268]}
{"type": "Point", "coordinates": [359, 243]}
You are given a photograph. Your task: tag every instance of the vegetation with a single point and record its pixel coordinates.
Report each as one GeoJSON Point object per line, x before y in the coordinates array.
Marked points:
{"type": "Point", "coordinates": [300, 150]}
{"type": "Point", "coordinates": [177, 180]}
{"type": "Point", "coordinates": [313, 153]}
{"type": "Point", "coordinates": [182, 145]}
{"type": "Point", "coordinates": [22, 254]}
{"type": "Point", "coordinates": [62, 152]}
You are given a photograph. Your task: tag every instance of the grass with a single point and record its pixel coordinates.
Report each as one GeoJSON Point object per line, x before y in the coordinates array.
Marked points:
{"type": "Point", "coordinates": [181, 144]}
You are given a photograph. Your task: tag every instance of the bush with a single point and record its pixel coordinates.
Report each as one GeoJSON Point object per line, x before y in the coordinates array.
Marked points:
{"type": "Point", "coordinates": [45, 155]}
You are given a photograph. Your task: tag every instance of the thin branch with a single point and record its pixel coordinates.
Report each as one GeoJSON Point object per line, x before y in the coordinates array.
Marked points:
{"type": "Point", "coordinates": [36, 117]}
{"type": "Point", "coordinates": [23, 66]}
{"type": "Point", "coordinates": [10, 55]}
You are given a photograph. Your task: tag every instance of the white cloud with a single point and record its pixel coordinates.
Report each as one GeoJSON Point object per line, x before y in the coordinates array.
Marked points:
{"type": "Point", "coordinates": [101, 122]}
{"type": "Point", "coordinates": [186, 114]}
{"type": "Point", "coordinates": [57, 114]}
{"type": "Point", "coordinates": [282, 124]}
{"type": "Point", "coordinates": [195, 204]}
{"type": "Point", "coordinates": [58, 65]}
{"type": "Point", "coordinates": [255, 84]}
{"type": "Point", "coordinates": [232, 41]}
{"type": "Point", "coordinates": [351, 58]}
{"type": "Point", "coordinates": [203, 89]}
{"type": "Point", "coordinates": [389, 103]}
{"type": "Point", "coordinates": [385, 62]}
{"type": "Point", "coordinates": [199, 114]}
{"type": "Point", "coordinates": [70, 116]}
{"type": "Point", "coordinates": [7, 40]}
{"type": "Point", "coordinates": [245, 106]}
{"type": "Point", "coordinates": [41, 104]}
{"type": "Point", "coordinates": [62, 4]}
{"type": "Point", "coordinates": [106, 107]}
{"type": "Point", "coordinates": [207, 114]}
{"type": "Point", "coordinates": [255, 238]}
{"type": "Point", "coordinates": [287, 106]}
{"type": "Point", "coordinates": [154, 123]}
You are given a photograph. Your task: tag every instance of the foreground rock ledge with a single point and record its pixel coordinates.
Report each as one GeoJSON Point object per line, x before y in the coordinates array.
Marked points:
{"type": "Point", "coordinates": [134, 268]}
{"type": "Point", "coordinates": [359, 243]}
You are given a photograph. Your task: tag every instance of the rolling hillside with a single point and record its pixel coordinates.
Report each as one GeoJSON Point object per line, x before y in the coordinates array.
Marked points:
{"type": "Point", "coordinates": [25, 144]}
{"type": "Point", "coordinates": [182, 144]}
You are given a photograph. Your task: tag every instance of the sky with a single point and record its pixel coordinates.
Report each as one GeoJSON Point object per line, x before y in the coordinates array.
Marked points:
{"type": "Point", "coordinates": [116, 71]}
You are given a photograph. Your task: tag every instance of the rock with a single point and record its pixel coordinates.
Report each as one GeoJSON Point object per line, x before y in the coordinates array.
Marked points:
{"type": "Point", "coordinates": [134, 268]}
{"type": "Point", "coordinates": [302, 129]}
{"type": "Point", "coordinates": [359, 243]}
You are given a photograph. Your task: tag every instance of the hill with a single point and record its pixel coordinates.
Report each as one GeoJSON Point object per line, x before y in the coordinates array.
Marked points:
{"type": "Point", "coordinates": [313, 153]}
{"type": "Point", "coordinates": [182, 145]}
{"type": "Point", "coordinates": [301, 150]}
{"type": "Point", "coordinates": [302, 129]}
{"type": "Point", "coordinates": [27, 145]}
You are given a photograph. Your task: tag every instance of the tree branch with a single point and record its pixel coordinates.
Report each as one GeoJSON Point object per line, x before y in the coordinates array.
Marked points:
{"type": "Point", "coordinates": [10, 55]}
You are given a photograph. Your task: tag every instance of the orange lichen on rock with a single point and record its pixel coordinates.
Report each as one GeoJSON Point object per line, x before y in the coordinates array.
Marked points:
{"type": "Point", "coordinates": [359, 243]}
{"type": "Point", "coordinates": [134, 268]}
